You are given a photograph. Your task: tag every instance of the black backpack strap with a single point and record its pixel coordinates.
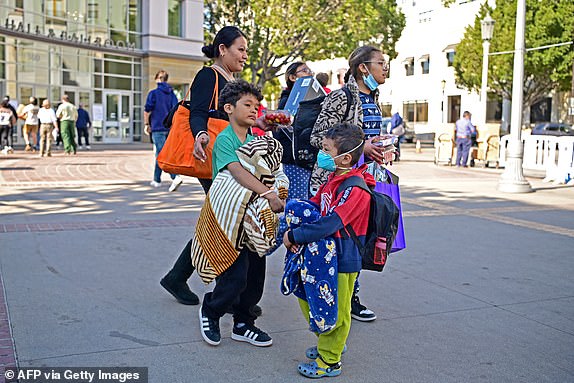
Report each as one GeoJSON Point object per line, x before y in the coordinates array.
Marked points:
{"type": "Point", "coordinates": [349, 101]}
{"type": "Point", "coordinates": [354, 181]}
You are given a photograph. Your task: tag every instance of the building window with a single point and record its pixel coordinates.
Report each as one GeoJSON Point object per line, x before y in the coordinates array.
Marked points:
{"type": "Point", "coordinates": [425, 64]}
{"type": "Point", "coordinates": [449, 51]}
{"type": "Point", "coordinates": [450, 58]}
{"type": "Point", "coordinates": [422, 112]}
{"type": "Point", "coordinates": [409, 66]}
{"type": "Point", "coordinates": [416, 111]}
{"type": "Point", "coordinates": [541, 111]}
{"type": "Point", "coordinates": [175, 18]}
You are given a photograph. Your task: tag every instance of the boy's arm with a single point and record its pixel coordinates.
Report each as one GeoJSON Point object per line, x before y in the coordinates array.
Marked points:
{"type": "Point", "coordinates": [352, 203]}
{"type": "Point", "coordinates": [248, 180]}
{"type": "Point", "coordinates": [312, 232]}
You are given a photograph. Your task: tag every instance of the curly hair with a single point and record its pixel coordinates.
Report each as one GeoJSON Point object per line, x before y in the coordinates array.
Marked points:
{"type": "Point", "coordinates": [347, 137]}
{"type": "Point", "coordinates": [234, 90]}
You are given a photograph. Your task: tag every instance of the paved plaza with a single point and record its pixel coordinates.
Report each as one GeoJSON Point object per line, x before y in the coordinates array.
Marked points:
{"type": "Point", "coordinates": [484, 291]}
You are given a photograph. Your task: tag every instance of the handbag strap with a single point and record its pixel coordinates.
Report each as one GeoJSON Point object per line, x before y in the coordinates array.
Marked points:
{"type": "Point", "coordinates": [215, 95]}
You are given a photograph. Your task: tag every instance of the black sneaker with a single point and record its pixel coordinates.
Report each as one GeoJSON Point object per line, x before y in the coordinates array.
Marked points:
{"type": "Point", "coordinates": [360, 312]}
{"type": "Point", "coordinates": [255, 310]}
{"type": "Point", "coordinates": [251, 334]}
{"type": "Point", "coordinates": [180, 291]}
{"type": "Point", "coordinates": [209, 329]}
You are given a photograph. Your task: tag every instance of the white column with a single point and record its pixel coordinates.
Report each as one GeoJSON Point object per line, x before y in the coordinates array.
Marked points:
{"type": "Point", "coordinates": [483, 87]}
{"type": "Point", "coordinates": [512, 180]}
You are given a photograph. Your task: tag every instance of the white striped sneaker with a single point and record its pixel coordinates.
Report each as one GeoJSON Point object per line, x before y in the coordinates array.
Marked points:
{"type": "Point", "coordinates": [251, 334]}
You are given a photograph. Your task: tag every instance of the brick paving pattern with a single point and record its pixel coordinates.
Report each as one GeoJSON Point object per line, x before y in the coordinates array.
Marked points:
{"type": "Point", "coordinates": [87, 167]}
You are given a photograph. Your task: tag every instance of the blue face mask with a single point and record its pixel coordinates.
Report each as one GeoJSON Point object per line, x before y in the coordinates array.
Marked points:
{"type": "Point", "coordinates": [370, 82]}
{"type": "Point", "coordinates": [325, 161]}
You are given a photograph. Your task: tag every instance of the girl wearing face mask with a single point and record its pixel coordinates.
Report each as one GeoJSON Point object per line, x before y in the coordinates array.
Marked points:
{"type": "Point", "coordinates": [367, 70]}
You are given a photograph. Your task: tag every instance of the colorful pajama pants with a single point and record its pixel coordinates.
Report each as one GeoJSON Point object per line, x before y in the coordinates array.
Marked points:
{"type": "Point", "coordinates": [331, 344]}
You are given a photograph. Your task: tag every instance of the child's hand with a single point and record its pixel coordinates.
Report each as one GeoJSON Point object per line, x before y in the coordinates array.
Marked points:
{"type": "Point", "coordinates": [276, 204]}
{"type": "Point", "coordinates": [288, 244]}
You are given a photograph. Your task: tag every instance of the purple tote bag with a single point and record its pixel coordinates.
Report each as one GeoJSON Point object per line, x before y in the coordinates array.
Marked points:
{"type": "Point", "coordinates": [392, 190]}
{"type": "Point", "coordinates": [390, 187]}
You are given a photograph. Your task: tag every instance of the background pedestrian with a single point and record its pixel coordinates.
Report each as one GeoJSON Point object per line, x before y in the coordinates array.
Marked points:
{"type": "Point", "coordinates": [83, 125]}
{"type": "Point", "coordinates": [157, 106]}
{"type": "Point", "coordinates": [67, 113]}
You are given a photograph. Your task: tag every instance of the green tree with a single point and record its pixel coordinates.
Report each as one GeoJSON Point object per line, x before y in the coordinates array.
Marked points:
{"type": "Point", "coordinates": [547, 22]}
{"type": "Point", "coordinates": [282, 31]}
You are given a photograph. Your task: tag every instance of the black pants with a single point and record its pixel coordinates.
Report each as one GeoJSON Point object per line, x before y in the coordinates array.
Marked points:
{"type": "Point", "coordinates": [5, 131]}
{"type": "Point", "coordinates": [83, 132]}
{"type": "Point", "coordinates": [240, 286]}
{"type": "Point", "coordinates": [183, 268]}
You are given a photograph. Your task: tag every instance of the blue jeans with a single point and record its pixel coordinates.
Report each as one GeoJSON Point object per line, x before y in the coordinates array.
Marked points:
{"type": "Point", "coordinates": [158, 142]}
{"type": "Point", "coordinates": [462, 149]}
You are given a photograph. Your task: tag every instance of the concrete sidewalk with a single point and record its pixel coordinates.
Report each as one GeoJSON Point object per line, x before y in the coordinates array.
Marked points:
{"type": "Point", "coordinates": [483, 292]}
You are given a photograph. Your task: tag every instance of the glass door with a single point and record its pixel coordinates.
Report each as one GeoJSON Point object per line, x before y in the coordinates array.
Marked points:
{"type": "Point", "coordinates": [118, 121]}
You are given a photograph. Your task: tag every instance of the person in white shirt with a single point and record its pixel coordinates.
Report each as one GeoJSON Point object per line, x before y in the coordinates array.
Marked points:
{"type": "Point", "coordinates": [7, 119]}
{"type": "Point", "coordinates": [31, 124]}
{"type": "Point", "coordinates": [48, 121]}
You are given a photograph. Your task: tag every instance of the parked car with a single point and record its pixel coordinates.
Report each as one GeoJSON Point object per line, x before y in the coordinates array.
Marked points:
{"type": "Point", "coordinates": [553, 129]}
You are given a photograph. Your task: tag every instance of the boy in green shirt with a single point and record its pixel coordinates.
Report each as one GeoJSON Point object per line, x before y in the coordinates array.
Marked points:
{"type": "Point", "coordinates": [241, 285]}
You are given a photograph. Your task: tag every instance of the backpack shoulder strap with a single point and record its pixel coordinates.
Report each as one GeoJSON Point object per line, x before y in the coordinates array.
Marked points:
{"type": "Point", "coordinates": [354, 181]}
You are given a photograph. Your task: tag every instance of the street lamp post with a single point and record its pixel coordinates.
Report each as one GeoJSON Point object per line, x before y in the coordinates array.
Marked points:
{"type": "Point", "coordinates": [442, 85]}
{"type": "Point", "coordinates": [512, 180]}
{"type": "Point", "coordinates": [487, 28]}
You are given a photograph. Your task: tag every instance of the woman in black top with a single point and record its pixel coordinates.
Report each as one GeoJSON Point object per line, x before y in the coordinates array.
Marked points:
{"type": "Point", "coordinates": [229, 52]}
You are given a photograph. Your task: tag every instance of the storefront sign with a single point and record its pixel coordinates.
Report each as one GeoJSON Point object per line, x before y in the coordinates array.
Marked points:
{"type": "Point", "coordinates": [97, 112]}
{"type": "Point", "coordinates": [96, 42]}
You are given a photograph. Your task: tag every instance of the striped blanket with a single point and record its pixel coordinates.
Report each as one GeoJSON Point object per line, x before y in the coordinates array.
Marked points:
{"type": "Point", "coordinates": [233, 216]}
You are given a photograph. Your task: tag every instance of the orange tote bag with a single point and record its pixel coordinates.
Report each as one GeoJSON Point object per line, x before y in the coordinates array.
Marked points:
{"type": "Point", "coordinates": [176, 157]}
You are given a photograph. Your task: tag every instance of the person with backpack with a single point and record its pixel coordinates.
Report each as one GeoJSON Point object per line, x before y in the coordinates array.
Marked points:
{"type": "Point", "coordinates": [356, 103]}
{"type": "Point", "coordinates": [158, 104]}
{"type": "Point", "coordinates": [349, 208]}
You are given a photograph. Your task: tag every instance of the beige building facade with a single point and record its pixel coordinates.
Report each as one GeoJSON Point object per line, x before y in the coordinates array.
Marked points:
{"type": "Point", "coordinates": [103, 54]}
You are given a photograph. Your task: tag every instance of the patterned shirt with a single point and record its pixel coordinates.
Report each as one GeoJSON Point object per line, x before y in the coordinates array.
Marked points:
{"type": "Point", "coordinates": [372, 119]}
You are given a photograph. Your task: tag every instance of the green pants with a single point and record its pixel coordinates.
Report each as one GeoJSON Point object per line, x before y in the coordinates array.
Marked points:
{"type": "Point", "coordinates": [330, 344]}
{"type": "Point", "coordinates": [68, 132]}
